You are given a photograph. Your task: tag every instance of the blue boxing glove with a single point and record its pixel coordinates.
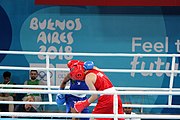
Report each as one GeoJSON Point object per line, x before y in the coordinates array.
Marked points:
{"type": "Point", "coordinates": [88, 65]}
{"type": "Point", "coordinates": [60, 98]}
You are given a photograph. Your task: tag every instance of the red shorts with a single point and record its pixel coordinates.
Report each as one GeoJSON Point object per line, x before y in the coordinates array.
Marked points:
{"type": "Point", "coordinates": [105, 106]}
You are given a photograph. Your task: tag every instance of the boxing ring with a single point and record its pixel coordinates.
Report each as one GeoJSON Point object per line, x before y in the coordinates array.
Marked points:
{"type": "Point", "coordinates": [49, 89]}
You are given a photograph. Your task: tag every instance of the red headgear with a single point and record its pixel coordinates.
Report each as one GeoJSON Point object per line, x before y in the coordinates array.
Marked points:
{"type": "Point", "coordinates": [71, 63]}
{"type": "Point", "coordinates": [77, 71]}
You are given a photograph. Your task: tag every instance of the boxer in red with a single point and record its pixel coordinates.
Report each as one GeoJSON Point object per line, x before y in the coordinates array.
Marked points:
{"type": "Point", "coordinates": [96, 80]}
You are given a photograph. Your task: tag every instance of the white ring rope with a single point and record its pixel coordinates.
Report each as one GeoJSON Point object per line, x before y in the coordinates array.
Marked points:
{"type": "Point", "coordinates": [89, 54]}
{"type": "Point", "coordinates": [94, 104]}
{"type": "Point", "coordinates": [104, 70]}
{"type": "Point", "coordinates": [122, 91]}
{"type": "Point", "coordinates": [117, 88]}
{"type": "Point", "coordinates": [144, 116]}
{"type": "Point", "coordinates": [90, 92]}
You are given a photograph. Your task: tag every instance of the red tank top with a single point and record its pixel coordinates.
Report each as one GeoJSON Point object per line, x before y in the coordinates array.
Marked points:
{"type": "Point", "coordinates": [102, 81]}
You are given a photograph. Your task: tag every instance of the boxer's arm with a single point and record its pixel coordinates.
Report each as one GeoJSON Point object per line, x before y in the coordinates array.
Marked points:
{"type": "Point", "coordinates": [60, 98]}
{"type": "Point", "coordinates": [90, 81]}
{"type": "Point", "coordinates": [65, 80]}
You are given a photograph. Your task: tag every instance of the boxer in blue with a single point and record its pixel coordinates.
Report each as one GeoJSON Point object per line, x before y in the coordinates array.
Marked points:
{"type": "Point", "coordinates": [71, 99]}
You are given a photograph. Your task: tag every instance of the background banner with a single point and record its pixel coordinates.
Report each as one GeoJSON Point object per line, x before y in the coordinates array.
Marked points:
{"type": "Point", "coordinates": [26, 26]}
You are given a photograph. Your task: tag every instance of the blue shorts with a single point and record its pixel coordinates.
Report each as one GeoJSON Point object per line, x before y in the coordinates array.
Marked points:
{"type": "Point", "coordinates": [70, 101]}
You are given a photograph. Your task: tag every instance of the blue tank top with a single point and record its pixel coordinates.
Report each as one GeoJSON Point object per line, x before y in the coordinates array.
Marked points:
{"type": "Point", "coordinates": [78, 85]}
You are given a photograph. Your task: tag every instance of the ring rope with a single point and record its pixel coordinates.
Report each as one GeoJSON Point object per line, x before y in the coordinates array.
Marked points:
{"type": "Point", "coordinates": [90, 92]}
{"type": "Point", "coordinates": [94, 104]}
{"type": "Point", "coordinates": [27, 114]}
{"type": "Point", "coordinates": [89, 54]}
{"type": "Point", "coordinates": [104, 70]}
{"type": "Point", "coordinates": [117, 88]}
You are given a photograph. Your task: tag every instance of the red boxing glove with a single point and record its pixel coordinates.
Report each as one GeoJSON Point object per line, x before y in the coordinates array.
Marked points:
{"type": "Point", "coordinates": [80, 105]}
